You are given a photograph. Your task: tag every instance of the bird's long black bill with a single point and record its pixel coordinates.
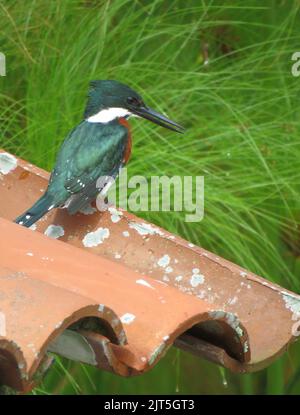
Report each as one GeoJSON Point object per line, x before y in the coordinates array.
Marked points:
{"type": "Point", "coordinates": [157, 118]}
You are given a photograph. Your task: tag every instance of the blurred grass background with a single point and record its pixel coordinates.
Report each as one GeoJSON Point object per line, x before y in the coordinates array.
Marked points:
{"type": "Point", "coordinates": [220, 68]}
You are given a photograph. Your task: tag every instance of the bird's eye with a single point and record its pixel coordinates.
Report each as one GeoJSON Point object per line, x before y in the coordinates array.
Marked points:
{"type": "Point", "coordinates": [133, 101]}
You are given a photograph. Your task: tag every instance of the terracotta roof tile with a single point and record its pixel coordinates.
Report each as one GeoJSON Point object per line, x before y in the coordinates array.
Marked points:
{"type": "Point", "coordinates": [121, 301]}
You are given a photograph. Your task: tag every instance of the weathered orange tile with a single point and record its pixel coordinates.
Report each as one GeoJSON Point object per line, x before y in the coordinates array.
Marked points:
{"type": "Point", "coordinates": [143, 288]}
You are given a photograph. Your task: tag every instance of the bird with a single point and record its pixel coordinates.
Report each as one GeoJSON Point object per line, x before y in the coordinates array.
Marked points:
{"type": "Point", "coordinates": [99, 146]}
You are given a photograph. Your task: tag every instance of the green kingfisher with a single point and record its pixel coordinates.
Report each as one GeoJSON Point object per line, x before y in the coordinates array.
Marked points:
{"type": "Point", "coordinates": [99, 146]}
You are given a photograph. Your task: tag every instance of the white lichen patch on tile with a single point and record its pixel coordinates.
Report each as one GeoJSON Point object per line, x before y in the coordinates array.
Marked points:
{"type": "Point", "coordinates": [101, 308]}
{"type": "Point", "coordinates": [115, 215]}
{"type": "Point", "coordinates": [191, 245]}
{"type": "Point", "coordinates": [95, 238]}
{"type": "Point", "coordinates": [144, 283]}
{"type": "Point", "coordinates": [29, 253]}
{"type": "Point", "coordinates": [232, 301]}
{"type": "Point", "coordinates": [54, 231]}
{"type": "Point", "coordinates": [292, 303]}
{"type": "Point", "coordinates": [88, 210]}
{"type": "Point", "coordinates": [117, 256]}
{"type": "Point", "coordinates": [168, 270]}
{"type": "Point", "coordinates": [156, 353]}
{"type": "Point", "coordinates": [230, 318]}
{"type": "Point", "coordinates": [127, 318]}
{"type": "Point", "coordinates": [2, 324]}
{"type": "Point", "coordinates": [219, 314]}
{"type": "Point", "coordinates": [143, 359]}
{"type": "Point", "coordinates": [163, 261]}
{"type": "Point", "coordinates": [145, 228]}
{"type": "Point", "coordinates": [33, 227]}
{"type": "Point", "coordinates": [7, 163]}
{"type": "Point", "coordinates": [243, 274]}
{"type": "Point", "coordinates": [202, 294]}
{"type": "Point", "coordinates": [196, 278]}
{"type": "Point", "coordinates": [178, 278]}
{"type": "Point", "coordinates": [126, 234]}
{"type": "Point", "coordinates": [233, 321]}
{"type": "Point", "coordinates": [166, 278]}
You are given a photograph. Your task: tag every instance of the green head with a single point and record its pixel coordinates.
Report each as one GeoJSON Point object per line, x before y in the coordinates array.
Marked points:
{"type": "Point", "coordinates": [108, 100]}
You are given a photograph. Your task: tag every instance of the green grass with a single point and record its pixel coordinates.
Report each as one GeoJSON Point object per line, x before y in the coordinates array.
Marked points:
{"type": "Point", "coordinates": [241, 111]}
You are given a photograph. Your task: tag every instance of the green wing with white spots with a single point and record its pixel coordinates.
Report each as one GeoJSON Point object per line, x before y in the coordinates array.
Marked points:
{"type": "Point", "coordinates": [89, 152]}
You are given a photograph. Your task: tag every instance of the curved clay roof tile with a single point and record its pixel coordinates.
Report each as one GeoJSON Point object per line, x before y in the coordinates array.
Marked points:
{"type": "Point", "coordinates": [114, 291]}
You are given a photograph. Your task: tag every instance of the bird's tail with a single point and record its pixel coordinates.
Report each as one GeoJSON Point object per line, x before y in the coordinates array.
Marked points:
{"type": "Point", "coordinates": [39, 209]}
